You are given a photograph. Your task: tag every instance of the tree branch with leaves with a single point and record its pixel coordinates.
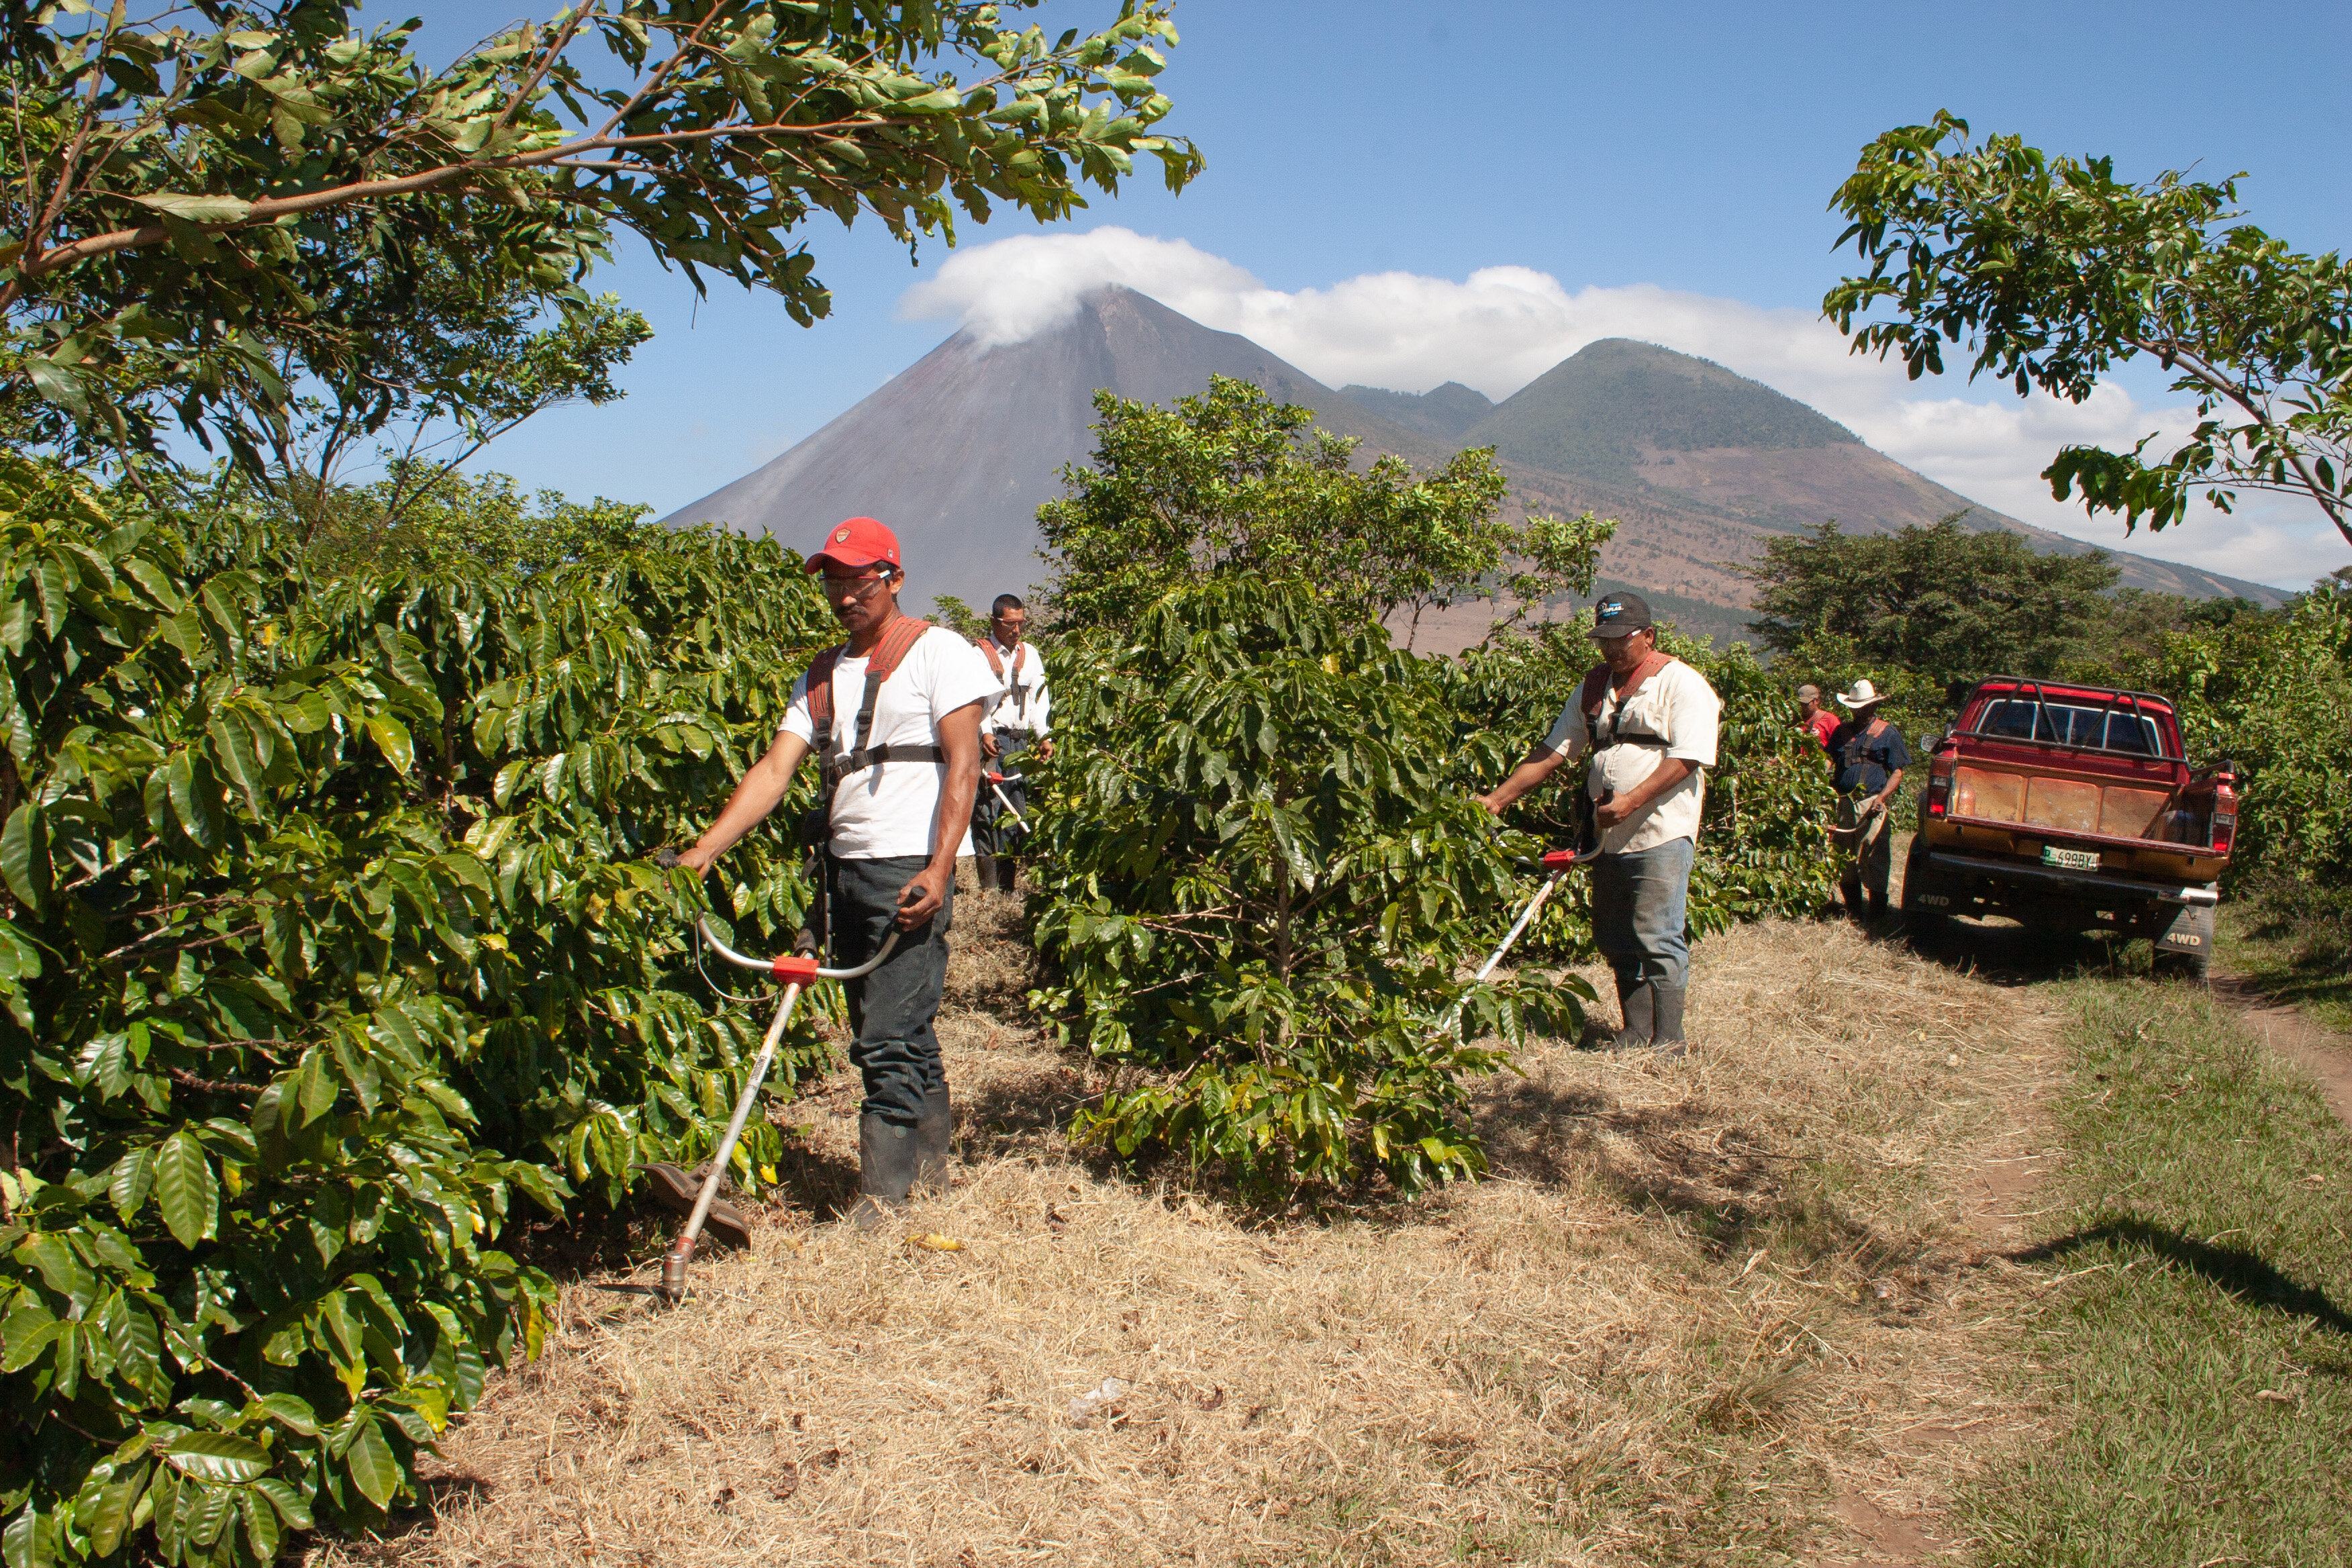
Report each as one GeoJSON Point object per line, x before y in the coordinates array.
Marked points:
{"type": "Point", "coordinates": [193, 181]}
{"type": "Point", "coordinates": [2053, 271]}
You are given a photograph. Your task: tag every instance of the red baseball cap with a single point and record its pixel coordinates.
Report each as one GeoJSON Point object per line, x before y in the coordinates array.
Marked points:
{"type": "Point", "coordinates": [855, 542]}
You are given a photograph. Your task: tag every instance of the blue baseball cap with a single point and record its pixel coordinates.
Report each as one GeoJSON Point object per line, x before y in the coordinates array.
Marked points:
{"type": "Point", "coordinates": [1619, 614]}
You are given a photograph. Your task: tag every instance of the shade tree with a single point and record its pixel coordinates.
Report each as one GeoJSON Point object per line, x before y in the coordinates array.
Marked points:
{"type": "Point", "coordinates": [2052, 271]}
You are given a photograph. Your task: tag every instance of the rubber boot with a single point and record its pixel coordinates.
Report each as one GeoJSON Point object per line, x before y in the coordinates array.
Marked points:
{"type": "Point", "coordinates": [885, 1170]}
{"type": "Point", "coordinates": [1853, 905]}
{"type": "Point", "coordinates": [931, 1131]}
{"type": "Point", "coordinates": [1878, 906]}
{"type": "Point", "coordinates": [983, 872]}
{"type": "Point", "coordinates": [1641, 1005]}
{"type": "Point", "coordinates": [1668, 1040]}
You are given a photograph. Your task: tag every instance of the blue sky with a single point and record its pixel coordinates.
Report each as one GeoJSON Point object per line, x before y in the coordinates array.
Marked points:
{"type": "Point", "coordinates": [1690, 148]}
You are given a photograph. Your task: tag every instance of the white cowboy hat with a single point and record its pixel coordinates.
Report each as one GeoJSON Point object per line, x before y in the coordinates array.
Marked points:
{"type": "Point", "coordinates": [1863, 695]}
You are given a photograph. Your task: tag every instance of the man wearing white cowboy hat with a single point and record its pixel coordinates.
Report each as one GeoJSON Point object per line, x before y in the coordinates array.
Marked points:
{"type": "Point", "coordinates": [1870, 757]}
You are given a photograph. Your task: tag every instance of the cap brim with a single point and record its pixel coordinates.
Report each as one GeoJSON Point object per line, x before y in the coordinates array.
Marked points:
{"type": "Point", "coordinates": [1612, 634]}
{"type": "Point", "coordinates": [853, 559]}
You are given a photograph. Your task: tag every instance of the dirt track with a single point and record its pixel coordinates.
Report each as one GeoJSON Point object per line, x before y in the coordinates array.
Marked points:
{"type": "Point", "coordinates": [2320, 1051]}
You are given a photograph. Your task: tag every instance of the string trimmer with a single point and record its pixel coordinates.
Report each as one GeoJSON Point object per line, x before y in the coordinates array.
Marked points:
{"type": "Point", "coordinates": [798, 973]}
{"type": "Point", "coordinates": [997, 783]}
{"type": "Point", "coordinates": [1557, 864]}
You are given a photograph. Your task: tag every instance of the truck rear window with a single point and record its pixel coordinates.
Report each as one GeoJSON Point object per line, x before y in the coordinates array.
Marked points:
{"type": "Point", "coordinates": [2073, 724]}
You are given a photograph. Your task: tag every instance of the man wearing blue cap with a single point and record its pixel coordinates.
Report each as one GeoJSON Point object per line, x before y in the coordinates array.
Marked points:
{"type": "Point", "coordinates": [1648, 720]}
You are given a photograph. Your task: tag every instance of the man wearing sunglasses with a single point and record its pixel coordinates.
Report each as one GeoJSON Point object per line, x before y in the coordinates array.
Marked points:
{"type": "Point", "coordinates": [901, 762]}
{"type": "Point", "coordinates": [1017, 721]}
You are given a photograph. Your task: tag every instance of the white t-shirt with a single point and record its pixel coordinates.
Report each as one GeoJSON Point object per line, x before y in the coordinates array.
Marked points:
{"type": "Point", "coordinates": [891, 809]}
{"type": "Point", "coordinates": [1676, 705]}
{"type": "Point", "coordinates": [1024, 675]}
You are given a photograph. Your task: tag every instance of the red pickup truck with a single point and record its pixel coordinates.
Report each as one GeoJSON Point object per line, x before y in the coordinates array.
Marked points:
{"type": "Point", "coordinates": [2072, 808]}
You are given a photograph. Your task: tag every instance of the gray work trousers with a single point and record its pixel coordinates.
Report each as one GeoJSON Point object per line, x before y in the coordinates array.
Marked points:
{"type": "Point", "coordinates": [890, 1011]}
{"type": "Point", "coordinates": [1640, 910]}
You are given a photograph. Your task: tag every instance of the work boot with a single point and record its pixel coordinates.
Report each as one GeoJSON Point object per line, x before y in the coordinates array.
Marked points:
{"type": "Point", "coordinates": [1639, 1002]}
{"type": "Point", "coordinates": [931, 1131]}
{"type": "Point", "coordinates": [1668, 1040]}
{"type": "Point", "coordinates": [885, 1170]}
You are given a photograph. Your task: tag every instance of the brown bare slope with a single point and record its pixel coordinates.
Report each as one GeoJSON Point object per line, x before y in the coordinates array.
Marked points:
{"type": "Point", "coordinates": [958, 451]}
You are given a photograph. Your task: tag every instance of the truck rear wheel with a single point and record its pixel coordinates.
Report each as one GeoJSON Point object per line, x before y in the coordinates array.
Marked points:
{"type": "Point", "coordinates": [1926, 899]}
{"type": "Point", "coordinates": [2185, 946]}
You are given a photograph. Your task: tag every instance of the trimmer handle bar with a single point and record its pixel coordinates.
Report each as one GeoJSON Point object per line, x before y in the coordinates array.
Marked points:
{"type": "Point", "coordinates": [793, 971]}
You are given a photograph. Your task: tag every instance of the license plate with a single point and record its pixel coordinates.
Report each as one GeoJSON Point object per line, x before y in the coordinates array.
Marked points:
{"type": "Point", "coordinates": [2072, 859]}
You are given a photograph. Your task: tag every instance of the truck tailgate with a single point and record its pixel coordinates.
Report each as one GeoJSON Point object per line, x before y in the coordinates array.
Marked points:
{"type": "Point", "coordinates": [2131, 816]}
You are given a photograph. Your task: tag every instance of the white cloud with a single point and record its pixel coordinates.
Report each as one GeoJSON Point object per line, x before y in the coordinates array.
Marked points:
{"type": "Point", "coordinates": [1503, 326]}
{"type": "Point", "coordinates": [1014, 288]}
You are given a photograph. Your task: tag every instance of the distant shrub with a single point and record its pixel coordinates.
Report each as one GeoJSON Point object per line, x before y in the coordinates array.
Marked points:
{"type": "Point", "coordinates": [2273, 693]}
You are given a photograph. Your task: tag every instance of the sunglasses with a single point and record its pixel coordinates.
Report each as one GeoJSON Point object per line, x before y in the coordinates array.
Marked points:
{"type": "Point", "coordinates": [860, 588]}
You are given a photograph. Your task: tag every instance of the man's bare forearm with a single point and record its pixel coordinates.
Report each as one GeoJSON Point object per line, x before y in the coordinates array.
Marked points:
{"type": "Point", "coordinates": [1540, 765]}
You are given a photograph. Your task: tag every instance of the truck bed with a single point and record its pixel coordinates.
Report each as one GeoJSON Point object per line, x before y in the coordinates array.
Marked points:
{"type": "Point", "coordinates": [2134, 810]}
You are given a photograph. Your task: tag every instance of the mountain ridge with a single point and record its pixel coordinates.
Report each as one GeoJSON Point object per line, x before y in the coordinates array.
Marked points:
{"type": "Point", "coordinates": [956, 452]}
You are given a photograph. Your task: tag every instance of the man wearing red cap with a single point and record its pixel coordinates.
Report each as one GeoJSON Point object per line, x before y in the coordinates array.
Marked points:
{"type": "Point", "coordinates": [894, 717]}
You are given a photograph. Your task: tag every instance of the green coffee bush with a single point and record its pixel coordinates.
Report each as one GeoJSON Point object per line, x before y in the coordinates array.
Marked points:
{"type": "Point", "coordinates": [328, 955]}
{"type": "Point", "coordinates": [1259, 867]}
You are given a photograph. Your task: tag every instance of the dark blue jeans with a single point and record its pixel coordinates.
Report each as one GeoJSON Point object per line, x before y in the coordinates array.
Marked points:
{"type": "Point", "coordinates": [1639, 912]}
{"type": "Point", "coordinates": [993, 831]}
{"type": "Point", "coordinates": [890, 1010]}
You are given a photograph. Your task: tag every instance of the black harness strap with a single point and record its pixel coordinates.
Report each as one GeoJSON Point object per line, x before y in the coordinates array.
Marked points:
{"type": "Point", "coordinates": [882, 663]}
{"type": "Point", "coordinates": [862, 755]}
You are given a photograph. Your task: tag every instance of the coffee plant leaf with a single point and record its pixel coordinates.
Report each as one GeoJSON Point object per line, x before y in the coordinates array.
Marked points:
{"type": "Point", "coordinates": [321, 1014]}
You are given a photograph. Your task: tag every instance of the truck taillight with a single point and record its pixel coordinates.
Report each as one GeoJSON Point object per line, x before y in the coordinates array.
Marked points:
{"type": "Point", "coordinates": [2225, 827]}
{"type": "Point", "coordinates": [1939, 793]}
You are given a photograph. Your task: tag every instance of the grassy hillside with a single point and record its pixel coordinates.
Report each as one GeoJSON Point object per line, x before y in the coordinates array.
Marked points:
{"type": "Point", "coordinates": [1593, 412]}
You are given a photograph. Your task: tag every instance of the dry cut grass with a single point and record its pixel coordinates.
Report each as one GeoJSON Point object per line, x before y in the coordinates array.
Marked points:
{"type": "Point", "coordinates": [1719, 1310]}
